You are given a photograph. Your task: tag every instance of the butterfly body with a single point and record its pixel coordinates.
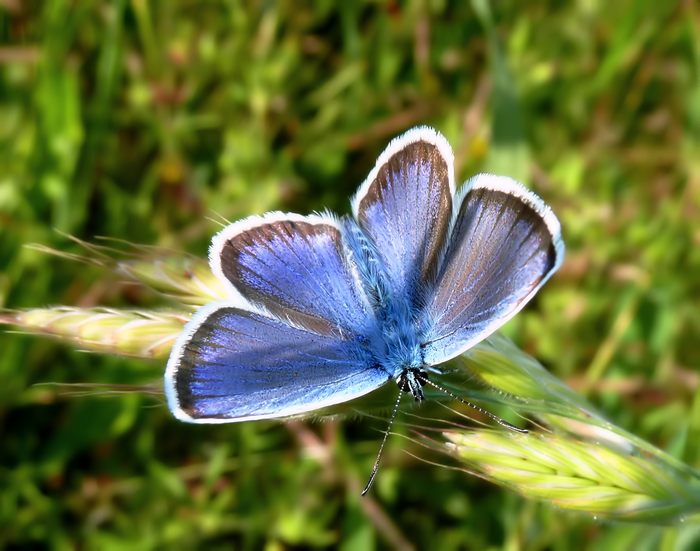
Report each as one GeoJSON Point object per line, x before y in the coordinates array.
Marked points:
{"type": "Point", "coordinates": [325, 309]}
{"type": "Point", "coordinates": [398, 352]}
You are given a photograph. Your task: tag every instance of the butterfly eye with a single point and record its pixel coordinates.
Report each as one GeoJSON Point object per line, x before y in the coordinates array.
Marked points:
{"type": "Point", "coordinates": [403, 382]}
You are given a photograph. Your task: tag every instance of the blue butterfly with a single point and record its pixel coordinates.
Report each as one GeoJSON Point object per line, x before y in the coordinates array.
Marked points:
{"type": "Point", "coordinates": [324, 309]}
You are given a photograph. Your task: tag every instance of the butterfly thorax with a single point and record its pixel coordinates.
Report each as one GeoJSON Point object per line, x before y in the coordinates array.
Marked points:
{"type": "Point", "coordinates": [403, 358]}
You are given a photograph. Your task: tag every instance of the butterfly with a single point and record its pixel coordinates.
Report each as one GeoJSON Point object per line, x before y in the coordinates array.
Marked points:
{"type": "Point", "coordinates": [324, 309]}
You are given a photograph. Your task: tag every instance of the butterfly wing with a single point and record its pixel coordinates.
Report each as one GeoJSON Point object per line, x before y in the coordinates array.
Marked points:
{"type": "Point", "coordinates": [297, 334]}
{"type": "Point", "coordinates": [233, 363]}
{"type": "Point", "coordinates": [295, 267]}
{"type": "Point", "coordinates": [405, 206]}
{"type": "Point", "coordinates": [504, 245]}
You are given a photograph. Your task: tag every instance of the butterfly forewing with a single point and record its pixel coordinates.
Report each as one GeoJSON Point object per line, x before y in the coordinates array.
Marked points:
{"type": "Point", "coordinates": [234, 364]}
{"type": "Point", "coordinates": [404, 207]}
{"type": "Point", "coordinates": [505, 243]}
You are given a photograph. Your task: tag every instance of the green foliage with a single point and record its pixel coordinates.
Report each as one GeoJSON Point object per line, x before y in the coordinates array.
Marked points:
{"type": "Point", "coordinates": [144, 120]}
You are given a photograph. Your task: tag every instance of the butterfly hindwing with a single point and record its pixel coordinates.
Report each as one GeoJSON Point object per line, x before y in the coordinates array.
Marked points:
{"type": "Point", "coordinates": [504, 245]}
{"type": "Point", "coordinates": [297, 268]}
{"type": "Point", "coordinates": [404, 207]}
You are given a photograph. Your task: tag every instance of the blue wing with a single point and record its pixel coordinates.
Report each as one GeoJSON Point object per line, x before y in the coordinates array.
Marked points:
{"type": "Point", "coordinates": [297, 268]}
{"type": "Point", "coordinates": [234, 364]}
{"type": "Point", "coordinates": [405, 206]}
{"type": "Point", "coordinates": [504, 245]}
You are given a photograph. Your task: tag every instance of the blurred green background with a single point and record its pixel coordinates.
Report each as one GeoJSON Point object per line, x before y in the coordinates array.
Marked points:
{"type": "Point", "coordinates": [141, 120]}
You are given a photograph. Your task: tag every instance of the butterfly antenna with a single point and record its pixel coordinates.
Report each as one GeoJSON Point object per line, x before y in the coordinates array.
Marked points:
{"type": "Point", "coordinates": [481, 410]}
{"type": "Point", "coordinates": [375, 468]}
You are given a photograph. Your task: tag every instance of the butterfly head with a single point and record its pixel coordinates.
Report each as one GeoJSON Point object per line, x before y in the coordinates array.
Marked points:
{"type": "Point", "coordinates": [411, 380]}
